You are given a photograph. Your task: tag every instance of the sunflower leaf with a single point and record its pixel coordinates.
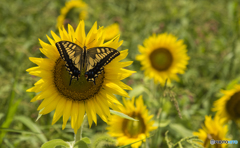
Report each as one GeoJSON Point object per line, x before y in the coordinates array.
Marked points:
{"type": "Point", "coordinates": [180, 129]}
{"type": "Point", "coordinates": [54, 143]}
{"type": "Point", "coordinates": [103, 140]}
{"type": "Point", "coordinates": [86, 140]}
{"type": "Point", "coordinates": [82, 143]}
{"type": "Point", "coordinates": [137, 90]}
{"type": "Point", "coordinates": [122, 115]}
{"type": "Point", "coordinates": [39, 115]}
{"type": "Point", "coordinates": [32, 126]}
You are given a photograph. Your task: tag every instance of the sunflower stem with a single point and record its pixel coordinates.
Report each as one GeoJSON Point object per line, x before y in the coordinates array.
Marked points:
{"type": "Point", "coordinates": [146, 144]}
{"type": "Point", "coordinates": [78, 135]}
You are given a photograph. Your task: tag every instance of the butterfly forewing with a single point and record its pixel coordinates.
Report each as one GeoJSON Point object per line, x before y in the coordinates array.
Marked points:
{"type": "Point", "coordinates": [96, 59]}
{"type": "Point", "coordinates": [72, 54]}
{"type": "Point", "coordinates": [93, 59]}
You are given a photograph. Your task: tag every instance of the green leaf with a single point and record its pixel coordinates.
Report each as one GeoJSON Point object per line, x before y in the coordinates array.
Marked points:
{"type": "Point", "coordinates": [86, 140]}
{"type": "Point", "coordinates": [162, 123]}
{"type": "Point", "coordinates": [137, 90]}
{"type": "Point", "coordinates": [103, 140]}
{"type": "Point", "coordinates": [80, 144]}
{"type": "Point", "coordinates": [17, 131]}
{"type": "Point", "coordinates": [56, 142]}
{"type": "Point", "coordinates": [10, 114]}
{"type": "Point", "coordinates": [180, 129]}
{"type": "Point", "coordinates": [122, 115]}
{"type": "Point", "coordinates": [32, 126]}
{"type": "Point", "coordinates": [1, 115]}
{"type": "Point", "coordinates": [39, 115]}
{"type": "Point", "coordinates": [233, 83]}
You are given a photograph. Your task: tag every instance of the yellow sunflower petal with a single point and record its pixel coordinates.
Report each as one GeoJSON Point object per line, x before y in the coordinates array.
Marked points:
{"type": "Point", "coordinates": [58, 112]}
{"type": "Point", "coordinates": [74, 114]}
{"type": "Point", "coordinates": [116, 89]}
{"type": "Point", "coordinates": [47, 101]}
{"type": "Point", "coordinates": [66, 112]}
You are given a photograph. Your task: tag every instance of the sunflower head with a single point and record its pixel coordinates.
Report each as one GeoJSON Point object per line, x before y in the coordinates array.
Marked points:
{"type": "Point", "coordinates": [81, 96]}
{"type": "Point", "coordinates": [212, 129]}
{"type": "Point", "coordinates": [128, 131]}
{"type": "Point", "coordinates": [70, 5]}
{"type": "Point", "coordinates": [163, 57]}
{"type": "Point", "coordinates": [228, 105]}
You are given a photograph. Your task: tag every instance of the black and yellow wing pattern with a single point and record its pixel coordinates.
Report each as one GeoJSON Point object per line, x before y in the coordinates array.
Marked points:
{"type": "Point", "coordinates": [72, 54]}
{"type": "Point", "coordinates": [96, 59]}
{"type": "Point", "coordinates": [92, 60]}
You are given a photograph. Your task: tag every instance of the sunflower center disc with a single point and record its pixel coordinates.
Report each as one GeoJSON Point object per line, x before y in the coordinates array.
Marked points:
{"type": "Point", "coordinates": [80, 89]}
{"type": "Point", "coordinates": [210, 137]}
{"type": "Point", "coordinates": [232, 106]}
{"type": "Point", "coordinates": [134, 128]}
{"type": "Point", "coordinates": [161, 59]}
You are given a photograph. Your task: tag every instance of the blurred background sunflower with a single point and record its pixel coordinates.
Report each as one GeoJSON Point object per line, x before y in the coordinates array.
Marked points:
{"type": "Point", "coordinates": [127, 131]}
{"type": "Point", "coordinates": [212, 129]}
{"type": "Point", "coordinates": [162, 57]}
{"type": "Point", "coordinates": [228, 105]}
{"type": "Point", "coordinates": [65, 15]}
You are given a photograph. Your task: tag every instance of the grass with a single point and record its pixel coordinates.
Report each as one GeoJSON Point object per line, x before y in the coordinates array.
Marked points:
{"type": "Point", "coordinates": [210, 29]}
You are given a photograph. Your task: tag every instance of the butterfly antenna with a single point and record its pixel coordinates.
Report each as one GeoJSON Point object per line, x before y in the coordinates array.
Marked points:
{"type": "Point", "coordinates": [78, 41]}
{"type": "Point", "coordinates": [87, 44]}
{"type": "Point", "coordinates": [91, 42]}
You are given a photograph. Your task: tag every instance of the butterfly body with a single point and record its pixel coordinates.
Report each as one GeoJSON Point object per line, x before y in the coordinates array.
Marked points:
{"type": "Point", "coordinates": [91, 61]}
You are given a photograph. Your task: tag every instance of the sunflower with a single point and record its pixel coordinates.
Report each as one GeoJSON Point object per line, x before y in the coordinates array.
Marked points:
{"type": "Point", "coordinates": [163, 57]}
{"type": "Point", "coordinates": [213, 129]}
{"type": "Point", "coordinates": [81, 96]}
{"type": "Point", "coordinates": [128, 131]}
{"type": "Point", "coordinates": [228, 105]}
{"type": "Point", "coordinates": [111, 31]}
{"type": "Point", "coordinates": [68, 6]}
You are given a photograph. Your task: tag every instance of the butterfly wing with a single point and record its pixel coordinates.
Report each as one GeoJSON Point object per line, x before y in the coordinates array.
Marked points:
{"type": "Point", "coordinates": [96, 59]}
{"type": "Point", "coordinates": [72, 54]}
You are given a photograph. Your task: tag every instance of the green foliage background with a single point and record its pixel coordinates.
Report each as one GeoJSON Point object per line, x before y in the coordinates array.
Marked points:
{"type": "Point", "coordinates": [210, 29]}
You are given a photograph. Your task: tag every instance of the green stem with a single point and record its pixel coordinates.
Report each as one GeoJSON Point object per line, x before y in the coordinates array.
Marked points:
{"type": "Point", "coordinates": [146, 144]}
{"type": "Point", "coordinates": [160, 115]}
{"type": "Point", "coordinates": [78, 135]}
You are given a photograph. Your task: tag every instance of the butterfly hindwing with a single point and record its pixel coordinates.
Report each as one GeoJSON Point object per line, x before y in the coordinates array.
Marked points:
{"type": "Point", "coordinates": [96, 59]}
{"type": "Point", "coordinates": [93, 59]}
{"type": "Point", "coordinates": [72, 54]}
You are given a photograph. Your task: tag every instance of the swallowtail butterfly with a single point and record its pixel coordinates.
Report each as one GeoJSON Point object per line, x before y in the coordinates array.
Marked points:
{"type": "Point", "coordinates": [91, 60]}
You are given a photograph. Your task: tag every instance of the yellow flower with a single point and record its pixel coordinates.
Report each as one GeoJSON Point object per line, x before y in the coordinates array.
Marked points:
{"type": "Point", "coordinates": [228, 106]}
{"type": "Point", "coordinates": [128, 131]}
{"type": "Point", "coordinates": [212, 129]}
{"type": "Point", "coordinates": [111, 31]}
{"type": "Point", "coordinates": [163, 57]}
{"type": "Point", "coordinates": [81, 96]}
{"type": "Point", "coordinates": [68, 6]}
